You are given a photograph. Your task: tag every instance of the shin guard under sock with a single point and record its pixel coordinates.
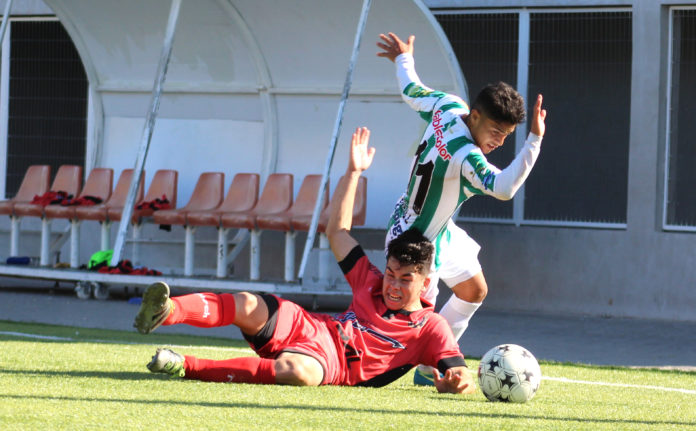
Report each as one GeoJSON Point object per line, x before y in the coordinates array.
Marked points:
{"type": "Point", "coordinates": [205, 310]}
{"type": "Point", "coordinates": [458, 312]}
{"type": "Point", "coordinates": [250, 369]}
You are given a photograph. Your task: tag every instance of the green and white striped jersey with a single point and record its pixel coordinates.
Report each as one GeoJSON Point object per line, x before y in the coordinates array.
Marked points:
{"type": "Point", "coordinates": [448, 168]}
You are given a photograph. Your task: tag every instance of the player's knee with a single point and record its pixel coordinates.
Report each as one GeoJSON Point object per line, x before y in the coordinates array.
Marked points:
{"type": "Point", "coordinates": [474, 292]}
{"type": "Point", "coordinates": [298, 370]}
{"type": "Point", "coordinates": [246, 303]}
{"type": "Point", "coordinates": [481, 291]}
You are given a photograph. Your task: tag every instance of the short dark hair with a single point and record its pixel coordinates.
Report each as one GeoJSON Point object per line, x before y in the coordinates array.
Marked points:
{"type": "Point", "coordinates": [501, 102]}
{"type": "Point", "coordinates": [412, 248]}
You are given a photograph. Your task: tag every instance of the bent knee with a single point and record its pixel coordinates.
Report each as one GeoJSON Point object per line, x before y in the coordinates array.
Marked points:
{"type": "Point", "coordinates": [298, 370]}
{"type": "Point", "coordinates": [247, 304]}
{"type": "Point", "coordinates": [473, 290]}
{"type": "Point", "coordinates": [480, 291]}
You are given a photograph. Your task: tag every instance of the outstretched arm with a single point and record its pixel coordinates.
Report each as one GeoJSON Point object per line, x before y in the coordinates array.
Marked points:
{"type": "Point", "coordinates": [504, 184]}
{"type": "Point", "coordinates": [341, 215]}
{"type": "Point", "coordinates": [416, 94]}
{"type": "Point", "coordinates": [401, 53]}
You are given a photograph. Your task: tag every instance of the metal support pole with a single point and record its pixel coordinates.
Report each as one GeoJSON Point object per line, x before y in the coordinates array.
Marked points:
{"type": "Point", "coordinates": [240, 239]}
{"type": "Point", "coordinates": [325, 258]}
{"type": "Point", "coordinates": [44, 259]}
{"type": "Point", "coordinates": [189, 247]}
{"type": "Point", "coordinates": [14, 235]}
{"type": "Point", "coordinates": [147, 130]}
{"type": "Point", "coordinates": [222, 253]}
{"type": "Point", "coordinates": [523, 37]}
{"type": "Point", "coordinates": [334, 138]}
{"type": "Point", "coordinates": [105, 241]}
{"type": "Point", "coordinates": [14, 232]}
{"type": "Point", "coordinates": [5, 20]}
{"type": "Point", "coordinates": [255, 255]}
{"type": "Point", "coordinates": [137, 233]}
{"type": "Point", "coordinates": [74, 243]}
{"type": "Point", "coordinates": [289, 256]}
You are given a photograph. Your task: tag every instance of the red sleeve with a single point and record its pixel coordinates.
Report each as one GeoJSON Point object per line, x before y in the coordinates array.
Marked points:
{"type": "Point", "coordinates": [358, 270]}
{"type": "Point", "coordinates": [441, 351]}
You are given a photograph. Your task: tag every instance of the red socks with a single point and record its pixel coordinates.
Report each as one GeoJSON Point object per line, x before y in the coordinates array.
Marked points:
{"type": "Point", "coordinates": [238, 370]}
{"type": "Point", "coordinates": [205, 310]}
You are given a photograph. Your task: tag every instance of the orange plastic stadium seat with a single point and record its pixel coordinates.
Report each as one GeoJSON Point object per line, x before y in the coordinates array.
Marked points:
{"type": "Point", "coordinates": [98, 184]}
{"type": "Point", "coordinates": [164, 184]}
{"type": "Point", "coordinates": [68, 179]}
{"type": "Point", "coordinates": [302, 223]}
{"type": "Point", "coordinates": [207, 194]}
{"type": "Point", "coordinates": [116, 201]}
{"type": "Point", "coordinates": [242, 196]}
{"type": "Point", "coordinates": [35, 182]}
{"type": "Point", "coordinates": [303, 206]}
{"type": "Point", "coordinates": [275, 198]}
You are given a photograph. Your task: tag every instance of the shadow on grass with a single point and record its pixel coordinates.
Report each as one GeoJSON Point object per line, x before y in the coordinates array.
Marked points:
{"type": "Point", "coordinates": [406, 413]}
{"type": "Point", "coordinates": [115, 375]}
{"type": "Point", "coordinates": [13, 331]}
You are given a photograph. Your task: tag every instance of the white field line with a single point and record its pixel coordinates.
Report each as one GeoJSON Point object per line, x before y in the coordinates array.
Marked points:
{"type": "Point", "coordinates": [39, 337]}
{"type": "Point", "coordinates": [248, 350]}
{"type": "Point", "coordinates": [92, 340]}
{"type": "Point", "coordinates": [620, 385]}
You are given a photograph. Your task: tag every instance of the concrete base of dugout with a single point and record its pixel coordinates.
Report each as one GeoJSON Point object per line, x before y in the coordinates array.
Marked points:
{"type": "Point", "coordinates": [564, 338]}
{"type": "Point", "coordinates": [163, 251]}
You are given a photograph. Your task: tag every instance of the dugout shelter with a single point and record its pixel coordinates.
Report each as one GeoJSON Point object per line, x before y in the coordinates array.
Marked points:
{"type": "Point", "coordinates": [250, 86]}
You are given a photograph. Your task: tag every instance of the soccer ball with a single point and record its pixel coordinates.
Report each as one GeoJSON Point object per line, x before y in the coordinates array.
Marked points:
{"type": "Point", "coordinates": [509, 373]}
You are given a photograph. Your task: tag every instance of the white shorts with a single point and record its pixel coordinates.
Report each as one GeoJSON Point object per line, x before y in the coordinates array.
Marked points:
{"type": "Point", "coordinates": [456, 259]}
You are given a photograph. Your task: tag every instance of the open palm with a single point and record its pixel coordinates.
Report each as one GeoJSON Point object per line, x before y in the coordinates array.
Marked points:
{"type": "Point", "coordinates": [360, 154]}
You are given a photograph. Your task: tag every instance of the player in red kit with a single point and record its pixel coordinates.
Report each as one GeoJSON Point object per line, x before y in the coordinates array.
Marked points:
{"type": "Point", "coordinates": [387, 330]}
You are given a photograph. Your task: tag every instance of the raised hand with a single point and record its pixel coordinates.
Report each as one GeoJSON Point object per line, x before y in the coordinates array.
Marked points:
{"type": "Point", "coordinates": [392, 46]}
{"type": "Point", "coordinates": [539, 117]}
{"type": "Point", "coordinates": [360, 154]}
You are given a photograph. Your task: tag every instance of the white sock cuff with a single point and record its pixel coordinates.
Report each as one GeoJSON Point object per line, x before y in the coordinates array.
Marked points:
{"type": "Point", "coordinates": [462, 307]}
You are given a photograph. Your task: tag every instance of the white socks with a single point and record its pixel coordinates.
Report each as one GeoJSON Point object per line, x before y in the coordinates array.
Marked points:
{"type": "Point", "coordinates": [458, 313]}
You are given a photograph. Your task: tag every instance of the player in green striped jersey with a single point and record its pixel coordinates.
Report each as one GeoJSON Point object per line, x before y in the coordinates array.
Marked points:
{"type": "Point", "coordinates": [450, 166]}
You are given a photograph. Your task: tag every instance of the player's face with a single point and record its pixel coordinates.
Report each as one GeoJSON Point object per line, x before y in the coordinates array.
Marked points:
{"type": "Point", "coordinates": [487, 133]}
{"type": "Point", "coordinates": [402, 286]}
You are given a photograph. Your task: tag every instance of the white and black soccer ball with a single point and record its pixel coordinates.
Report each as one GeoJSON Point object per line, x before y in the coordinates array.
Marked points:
{"type": "Point", "coordinates": [509, 373]}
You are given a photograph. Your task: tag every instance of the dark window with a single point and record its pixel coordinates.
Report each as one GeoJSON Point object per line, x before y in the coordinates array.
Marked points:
{"type": "Point", "coordinates": [47, 100]}
{"type": "Point", "coordinates": [581, 63]}
{"type": "Point", "coordinates": [486, 48]}
{"type": "Point", "coordinates": [681, 199]}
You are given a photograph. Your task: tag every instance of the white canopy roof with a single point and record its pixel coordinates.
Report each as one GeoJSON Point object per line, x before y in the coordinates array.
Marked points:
{"type": "Point", "coordinates": [253, 85]}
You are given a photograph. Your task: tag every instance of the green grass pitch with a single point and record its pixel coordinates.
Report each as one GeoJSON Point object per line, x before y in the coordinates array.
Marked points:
{"type": "Point", "coordinates": [80, 379]}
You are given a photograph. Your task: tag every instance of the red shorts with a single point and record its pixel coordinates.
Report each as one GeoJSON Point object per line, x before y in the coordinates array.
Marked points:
{"type": "Point", "coordinates": [299, 331]}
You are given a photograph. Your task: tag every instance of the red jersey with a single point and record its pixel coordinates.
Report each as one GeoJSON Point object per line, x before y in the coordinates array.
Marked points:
{"type": "Point", "coordinates": [375, 345]}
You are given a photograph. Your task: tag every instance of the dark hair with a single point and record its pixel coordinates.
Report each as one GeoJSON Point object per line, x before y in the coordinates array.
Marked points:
{"type": "Point", "coordinates": [501, 102]}
{"type": "Point", "coordinates": [412, 248]}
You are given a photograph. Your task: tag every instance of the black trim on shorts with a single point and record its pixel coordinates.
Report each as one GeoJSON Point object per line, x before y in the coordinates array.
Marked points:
{"type": "Point", "coordinates": [351, 259]}
{"type": "Point", "coordinates": [387, 377]}
{"type": "Point", "coordinates": [266, 333]}
{"type": "Point", "coordinates": [446, 363]}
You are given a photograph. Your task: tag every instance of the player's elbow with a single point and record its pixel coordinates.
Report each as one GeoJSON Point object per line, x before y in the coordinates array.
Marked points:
{"type": "Point", "coordinates": [506, 193]}
{"type": "Point", "coordinates": [332, 232]}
